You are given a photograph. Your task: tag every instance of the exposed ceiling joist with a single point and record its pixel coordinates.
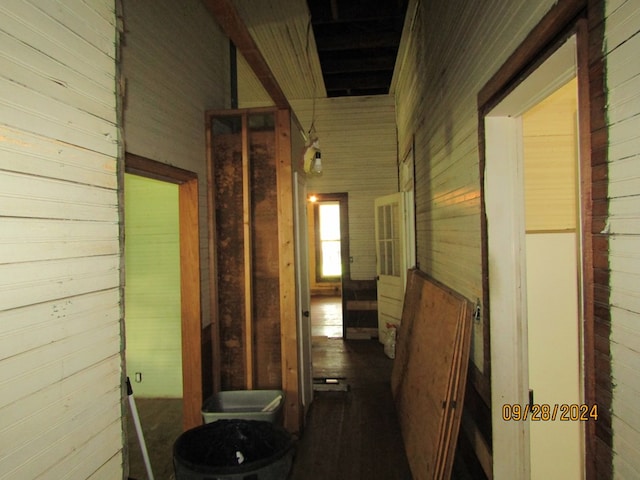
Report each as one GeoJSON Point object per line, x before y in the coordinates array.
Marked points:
{"type": "Point", "coordinates": [357, 43]}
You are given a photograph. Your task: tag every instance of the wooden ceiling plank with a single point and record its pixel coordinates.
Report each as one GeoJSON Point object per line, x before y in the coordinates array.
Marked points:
{"type": "Point", "coordinates": [225, 13]}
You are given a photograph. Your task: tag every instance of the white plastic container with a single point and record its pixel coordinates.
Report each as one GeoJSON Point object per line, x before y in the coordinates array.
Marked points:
{"type": "Point", "coordinates": [265, 405]}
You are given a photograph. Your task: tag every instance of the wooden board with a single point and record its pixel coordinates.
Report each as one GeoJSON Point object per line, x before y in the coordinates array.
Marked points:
{"type": "Point", "coordinates": [429, 373]}
{"type": "Point", "coordinates": [230, 259]}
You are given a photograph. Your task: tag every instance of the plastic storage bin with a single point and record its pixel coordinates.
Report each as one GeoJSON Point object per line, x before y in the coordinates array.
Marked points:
{"type": "Point", "coordinates": [244, 404]}
{"type": "Point", "coordinates": [234, 450]}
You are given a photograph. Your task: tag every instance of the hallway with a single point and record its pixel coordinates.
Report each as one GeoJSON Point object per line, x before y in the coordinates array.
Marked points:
{"type": "Point", "coordinates": [352, 432]}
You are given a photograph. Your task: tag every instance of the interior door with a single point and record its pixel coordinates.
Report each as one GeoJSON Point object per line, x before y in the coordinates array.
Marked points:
{"type": "Point", "coordinates": [390, 260]}
{"type": "Point", "coordinates": [303, 296]}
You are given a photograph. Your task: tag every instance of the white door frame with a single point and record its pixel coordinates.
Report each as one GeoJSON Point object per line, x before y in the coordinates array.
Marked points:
{"type": "Point", "coordinates": [303, 299]}
{"type": "Point", "coordinates": [504, 190]}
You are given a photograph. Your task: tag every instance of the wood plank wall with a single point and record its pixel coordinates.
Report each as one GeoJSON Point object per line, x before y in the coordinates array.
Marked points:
{"type": "Point", "coordinates": [359, 156]}
{"type": "Point", "coordinates": [622, 44]}
{"type": "Point", "coordinates": [175, 65]}
{"type": "Point", "coordinates": [450, 52]}
{"type": "Point", "coordinates": [60, 344]}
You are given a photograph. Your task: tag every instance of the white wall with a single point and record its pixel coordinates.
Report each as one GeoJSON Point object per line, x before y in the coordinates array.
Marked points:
{"type": "Point", "coordinates": [60, 344]}
{"type": "Point", "coordinates": [622, 40]}
{"type": "Point", "coordinates": [175, 62]}
{"type": "Point", "coordinates": [451, 51]}
{"type": "Point", "coordinates": [358, 143]}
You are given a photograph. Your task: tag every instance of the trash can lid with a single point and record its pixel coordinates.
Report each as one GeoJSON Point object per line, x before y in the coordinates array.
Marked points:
{"type": "Point", "coordinates": [232, 446]}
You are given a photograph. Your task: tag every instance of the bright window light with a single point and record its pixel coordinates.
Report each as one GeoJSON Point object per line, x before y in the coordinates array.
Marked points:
{"type": "Point", "coordinates": [329, 219]}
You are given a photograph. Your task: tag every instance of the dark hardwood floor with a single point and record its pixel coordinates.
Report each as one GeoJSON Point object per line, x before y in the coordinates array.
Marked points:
{"type": "Point", "coordinates": [350, 434]}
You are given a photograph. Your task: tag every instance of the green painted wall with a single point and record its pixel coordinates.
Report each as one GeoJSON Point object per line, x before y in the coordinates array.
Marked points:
{"type": "Point", "coordinates": [152, 289]}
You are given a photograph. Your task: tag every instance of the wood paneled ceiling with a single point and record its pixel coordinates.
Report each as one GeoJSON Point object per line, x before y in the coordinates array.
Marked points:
{"type": "Point", "coordinates": [357, 43]}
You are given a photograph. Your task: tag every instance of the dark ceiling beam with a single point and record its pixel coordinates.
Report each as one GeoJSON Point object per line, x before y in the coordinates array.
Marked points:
{"type": "Point", "coordinates": [367, 81]}
{"type": "Point", "coordinates": [356, 41]}
{"type": "Point", "coordinates": [227, 16]}
{"type": "Point", "coordinates": [322, 22]}
{"type": "Point", "coordinates": [332, 65]}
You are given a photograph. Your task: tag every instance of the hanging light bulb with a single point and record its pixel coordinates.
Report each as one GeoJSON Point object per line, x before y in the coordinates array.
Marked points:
{"type": "Point", "coordinates": [317, 163]}
{"type": "Point", "coordinates": [313, 158]}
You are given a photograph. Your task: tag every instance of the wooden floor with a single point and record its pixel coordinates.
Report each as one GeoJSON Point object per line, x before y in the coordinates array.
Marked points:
{"type": "Point", "coordinates": [350, 434]}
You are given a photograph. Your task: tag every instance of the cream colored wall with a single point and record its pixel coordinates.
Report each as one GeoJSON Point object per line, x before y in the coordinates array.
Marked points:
{"type": "Point", "coordinates": [60, 343]}
{"type": "Point", "coordinates": [152, 287]}
{"type": "Point", "coordinates": [622, 40]}
{"type": "Point", "coordinates": [550, 153]}
{"type": "Point", "coordinates": [175, 63]}
{"type": "Point", "coordinates": [358, 143]}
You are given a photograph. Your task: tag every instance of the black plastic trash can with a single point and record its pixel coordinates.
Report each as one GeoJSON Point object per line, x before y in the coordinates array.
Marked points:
{"type": "Point", "coordinates": [234, 450]}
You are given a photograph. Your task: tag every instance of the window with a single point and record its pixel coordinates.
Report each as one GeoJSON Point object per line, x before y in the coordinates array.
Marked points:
{"type": "Point", "coordinates": [328, 245]}
{"type": "Point", "coordinates": [388, 240]}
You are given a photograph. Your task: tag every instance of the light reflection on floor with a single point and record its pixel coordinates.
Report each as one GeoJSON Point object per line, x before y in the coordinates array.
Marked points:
{"type": "Point", "coordinates": [326, 316]}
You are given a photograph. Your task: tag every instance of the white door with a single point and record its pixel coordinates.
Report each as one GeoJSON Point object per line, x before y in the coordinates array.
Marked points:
{"type": "Point", "coordinates": [390, 260]}
{"type": "Point", "coordinates": [303, 297]}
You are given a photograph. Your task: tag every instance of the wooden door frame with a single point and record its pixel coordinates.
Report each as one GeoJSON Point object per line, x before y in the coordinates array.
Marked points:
{"type": "Point", "coordinates": [584, 19]}
{"type": "Point", "coordinates": [342, 198]}
{"type": "Point", "coordinates": [192, 388]}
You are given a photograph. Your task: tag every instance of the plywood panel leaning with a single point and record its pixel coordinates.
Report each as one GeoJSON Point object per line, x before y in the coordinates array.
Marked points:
{"type": "Point", "coordinates": [429, 374]}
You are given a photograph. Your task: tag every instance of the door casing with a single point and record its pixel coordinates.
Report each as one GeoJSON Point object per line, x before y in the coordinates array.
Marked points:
{"type": "Point", "coordinates": [192, 388]}
{"type": "Point", "coordinates": [504, 206]}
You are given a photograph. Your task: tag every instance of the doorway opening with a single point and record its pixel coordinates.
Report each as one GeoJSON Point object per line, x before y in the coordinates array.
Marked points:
{"type": "Point", "coordinates": [328, 262]}
{"type": "Point", "coordinates": [533, 208]}
{"type": "Point", "coordinates": [177, 190]}
{"type": "Point", "coordinates": [329, 266]}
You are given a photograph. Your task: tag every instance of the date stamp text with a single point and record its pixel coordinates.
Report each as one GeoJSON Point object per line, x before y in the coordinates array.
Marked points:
{"type": "Point", "coordinates": [544, 412]}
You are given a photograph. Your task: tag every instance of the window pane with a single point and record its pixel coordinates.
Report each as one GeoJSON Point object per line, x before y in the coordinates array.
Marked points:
{"type": "Point", "coordinates": [389, 240]}
{"type": "Point", "coordinates": [330, 221]}
{"type": "Point", "coordinates": [330, 262]}
{"type": "Point", "coordinates": [331, 266]}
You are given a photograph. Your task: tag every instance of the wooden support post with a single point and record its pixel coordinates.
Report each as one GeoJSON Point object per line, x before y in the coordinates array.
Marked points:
{"type": "Point", "coordinates": [248, 264]}
{"type": "Point", "coordinates": [190, 303]}
{"type": "Point", "coordinates": [287, 279]}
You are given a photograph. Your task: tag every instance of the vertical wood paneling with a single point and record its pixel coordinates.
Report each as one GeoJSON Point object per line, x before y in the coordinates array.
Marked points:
{"type": "Point", "coordinates": [622, 40]}
{"type": "Point", "coordinates": [359, 156]}
{"type": "Point", "coordinates": [60, 344]}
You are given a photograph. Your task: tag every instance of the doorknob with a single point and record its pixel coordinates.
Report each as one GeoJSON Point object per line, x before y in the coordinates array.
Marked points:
{"type": "Point", "coordinates": [305, 313]}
